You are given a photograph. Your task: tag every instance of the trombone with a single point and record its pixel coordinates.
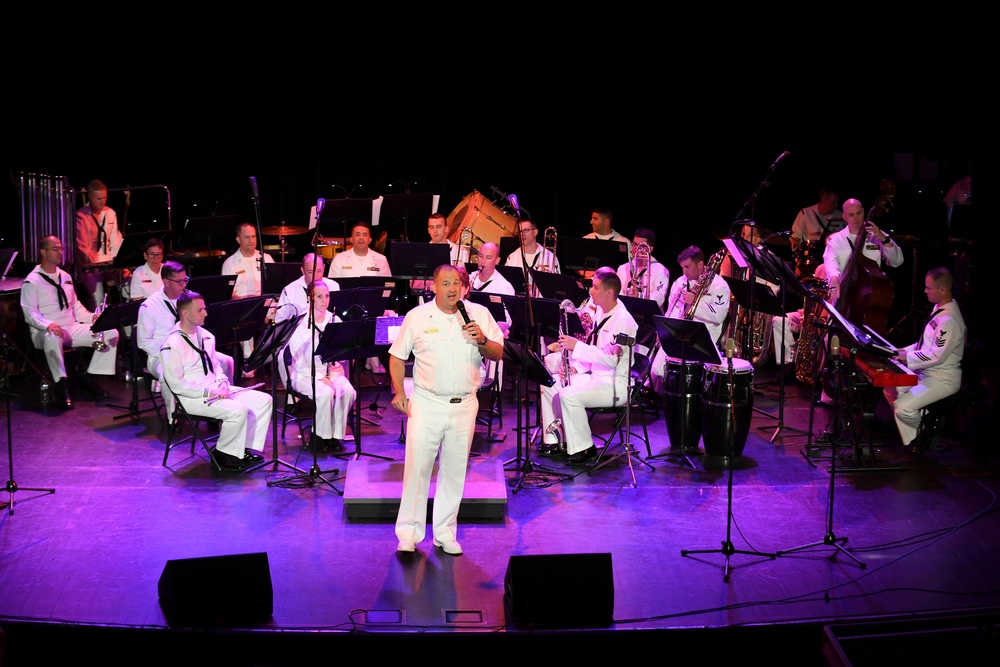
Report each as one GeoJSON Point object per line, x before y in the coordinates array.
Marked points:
{"type": "Point", "coordinates": [549, 241]}
{"type": "Point", "coordinates": [465, 239]}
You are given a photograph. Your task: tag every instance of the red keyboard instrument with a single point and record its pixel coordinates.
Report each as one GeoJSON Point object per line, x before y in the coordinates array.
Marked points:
{"type": "Point", "coordinates": [884, 372]}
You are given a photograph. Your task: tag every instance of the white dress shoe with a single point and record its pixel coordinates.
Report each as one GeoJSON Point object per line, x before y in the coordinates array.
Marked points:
{"type": "Point", "coordinates": [406, 545]}
{"type": "Point", "coordinates": [449, 547]}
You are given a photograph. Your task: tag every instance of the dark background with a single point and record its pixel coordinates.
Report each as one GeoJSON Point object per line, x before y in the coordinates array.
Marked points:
{"type": "Point", "coordinates": [685, 156]}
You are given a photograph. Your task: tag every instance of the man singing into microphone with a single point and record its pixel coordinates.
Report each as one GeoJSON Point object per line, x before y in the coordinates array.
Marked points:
{"type": "Point", "coordinates": [448, 339]}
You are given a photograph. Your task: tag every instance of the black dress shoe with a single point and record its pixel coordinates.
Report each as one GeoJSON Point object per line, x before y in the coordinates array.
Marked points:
{"type": "Point", "coordinates": [60, 394]}
{"type": "Point", "coordinates": [581, 458]}
{"type": "Point", "coordinates": [89, 385]}
{"type": "Point", "coordinates": [550, 449]}
{"type": "Point", "coordinates": [251, 457]}
{"type": "Point", "coordinates": [335, 445]}
{"type": "Point", "coordinates": [228, 461]}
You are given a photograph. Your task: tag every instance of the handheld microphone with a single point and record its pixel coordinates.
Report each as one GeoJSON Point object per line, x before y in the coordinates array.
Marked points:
{"type": "Point", "coordinates": [253, 186]}
{"type": "Point", "coordinates": [513, 202]}
{"type": "Point", "coordinates": [320, 203]}
{"type": "Point", "coordinates": [465, 313]}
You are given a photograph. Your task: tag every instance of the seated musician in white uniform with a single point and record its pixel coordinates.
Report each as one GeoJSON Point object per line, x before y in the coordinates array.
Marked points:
{"type": "Point", "coordinates": [245, 264]}
{"type": "Point", "coordinates": [535, 256]}
{"type": "Point", "coordinates": [58, 321]}
{"type": "Point", "coordinates": [294, 298]}
{"type": "Point", "coordinates": [597, 374]}
{"type": "Point", "coordinates": [645, 277]}
{"type": "Point", "coordinates": [785, 332]}
{"type": "Point", "coordinates": [359, 259]}
{"type": "Point", "coordinates": [936, 358]}
{"type": "Point", "coordinates": [700, 294]}
{"type": "Point", "coordinates": [196, 380]}
{"type": "Point", "coordinates": [334, 394]}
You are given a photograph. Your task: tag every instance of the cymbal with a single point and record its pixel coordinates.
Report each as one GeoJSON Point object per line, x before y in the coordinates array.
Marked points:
{"type": "Point", "coordinates": [778, 240]}
{"type": "Point", "coordinates": [283, 230]}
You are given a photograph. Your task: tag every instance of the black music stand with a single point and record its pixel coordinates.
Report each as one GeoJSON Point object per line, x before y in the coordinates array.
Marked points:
{"type": "Point", "coordinates": [342, 212]}
{"type": "Point", "coordinates": [417, 261]}
{"type": "Point", "coordinates": [686, 340]}
{"type": "Point", "coordinates": [201, 232]}
{"type": "Point", "coordinates": [642, 310]}
{"type": "Point", "coordinates": [132, 248]}
{"type": "Point", "coordinates": [118, 317]}
{"type": "Point", "coordinates": [355, 282]}
{"type": "Point", "coordinates": [272, 343]}
{"type": "Point", "coordinates": [362, 303]}
{"type": "Point", "coordinates": [681, 335]}
{"type": "Point", "coordinates": [514, 275]}
{"type": "Point", "coordinates": [399, 208]}
{"type": "Point", "coordinates": [558, 286]}
{"type": "Point", "coordinates": [235, 321]}
{"type": "Point", "coordinates": [353, 340]}
{"type": "Point", "coordinates": [587, 255]}
{"type": "Point", "coordinates": [528, 367]}
{"type": "Point", "coordinates": [213, 289]}
{"type": "Point", "coordinates": [492, 302]}
{"type": "Point", "coordinates": [280, 275]}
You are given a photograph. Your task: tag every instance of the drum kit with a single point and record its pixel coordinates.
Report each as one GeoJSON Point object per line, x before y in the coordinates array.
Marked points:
{"type": "Point", "coordinates": [281, 231]}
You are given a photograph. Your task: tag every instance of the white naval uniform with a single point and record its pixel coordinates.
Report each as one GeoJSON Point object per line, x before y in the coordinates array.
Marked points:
{"type": "Point", "coordinates": [332, 403]}
{"type": "Point", "coordinates": [937, 360]}
{"type": "Point", "coordinates": [245, 416]}
{"type": "Point", "coordinates": [601, 379]}
{"type": "Point", "coordinates": [442, 416]}
{"type": "Point", "coordinates": [40, 306]}
{"type": "Point", "coordinates": [144, 282]}
{"type": "Point", "coordinates": [348, 264]}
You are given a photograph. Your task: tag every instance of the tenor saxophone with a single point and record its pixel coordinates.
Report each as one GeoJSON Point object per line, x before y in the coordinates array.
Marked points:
{"type": "Point", "coordinates": [565, 307]}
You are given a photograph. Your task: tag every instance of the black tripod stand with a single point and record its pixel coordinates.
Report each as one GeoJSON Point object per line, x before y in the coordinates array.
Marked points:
{"type": "Point", "coordinates": [272, 342]}
{"type": "Point", "coordinates": [527, 366]}
{"type": "Point", "coordinates": [727, 545]}
{"type": "Point", "coordinates": [830, 539]}
{"type": "Point", "coordinates": [12, 486]}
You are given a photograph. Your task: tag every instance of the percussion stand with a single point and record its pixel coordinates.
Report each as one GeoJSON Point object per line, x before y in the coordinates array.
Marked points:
{"type": "Point", "coordinates": [830, 539]}
{"type": "Point", "coordinates": [727, 545]}
{"type": "Point", "coordinates": [12, 486]}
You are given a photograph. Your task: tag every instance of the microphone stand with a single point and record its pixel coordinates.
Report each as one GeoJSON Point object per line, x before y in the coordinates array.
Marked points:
{"type": "Point", "coordinates": [727, 545]}
{"type": "Point", "coordinates": [315, 473]}
{"type": "Point", "coordinates": [12, 487]}
{"type": "Point", "coordinates": [260, 236]}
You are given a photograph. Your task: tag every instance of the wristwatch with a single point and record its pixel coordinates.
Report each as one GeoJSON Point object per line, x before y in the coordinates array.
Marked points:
{"type": "Point", "coordinates": [887, 240]}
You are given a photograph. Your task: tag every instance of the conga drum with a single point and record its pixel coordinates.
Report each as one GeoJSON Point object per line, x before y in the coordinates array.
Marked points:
{"type": "Point", "coordinates": [682, 386]}
{"type": "Point", "coordinates": [726, 412]}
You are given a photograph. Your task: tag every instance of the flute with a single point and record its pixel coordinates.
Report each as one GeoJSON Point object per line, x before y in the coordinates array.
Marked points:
{"type": "Point", "coordinates": [233, 392]}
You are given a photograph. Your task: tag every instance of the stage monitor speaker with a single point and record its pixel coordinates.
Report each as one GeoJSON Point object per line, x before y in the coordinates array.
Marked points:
{"type": "Point", "coordinates": [571, 590]}
{"type": "Point", "coordinates": [217, 590]}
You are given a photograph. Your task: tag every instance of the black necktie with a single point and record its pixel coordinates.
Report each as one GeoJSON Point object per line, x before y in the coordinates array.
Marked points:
{"type": "Point", "coordinates": [60, 292]}
{"type": "Point", "coordinates": [201, 353]}
{"type": "Point", "coordinates": [592, 338]}
{"type": "Point", "coordinates": [173, 311]}
{"type": "Point", "coordinates": [102, 236]}
{"type": "Point", "coordinates": [482, 287]}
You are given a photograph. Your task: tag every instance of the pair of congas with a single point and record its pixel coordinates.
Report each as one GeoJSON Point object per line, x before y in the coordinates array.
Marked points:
{"type": "Point", "coordinates": [705, 404]}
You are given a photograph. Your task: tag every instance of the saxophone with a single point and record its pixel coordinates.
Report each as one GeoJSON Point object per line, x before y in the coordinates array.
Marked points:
{"type": "Point", "coordinates": [565, 307]}
{"type": "Point", "coordinates": [705, 281]}
{"type": "Point", "coordinates": [810, 354]}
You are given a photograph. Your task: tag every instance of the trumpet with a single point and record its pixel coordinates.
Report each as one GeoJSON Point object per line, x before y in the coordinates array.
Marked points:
{"type": "Point", "coordinates": [233, 392]}
{"type": "Point", "coordinates": [641, 261]}
{"type": "Point", "coordinates": [99, 344]}
{"type": "Point", "coordinates": [549, 241]}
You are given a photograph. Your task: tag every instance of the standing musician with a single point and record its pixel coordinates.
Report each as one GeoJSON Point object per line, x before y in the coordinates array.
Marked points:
{"type": "Point", "coordinates": [878, 246]}
{"type": "Point", "coordinates": [600, 223]}
{"type": "Point", "coordinates": [936, 357]}
{"type": "Point", "coordinates": [598, 372]}
{"type": "Point", "coordinates": [195, 379]}
{"type": "Point", "coordinates": [712, 307]}
{"type": "Point", "coordinates": [98, 240]}
{"type": "Point", "coordinates": [58, 321]}
{"type": "Point", "coordinates": [448, 354]}
{"type": "Point", "coordinates": [334, 392]}
{"type": "Point", "coordinates": [631, 273]}
{"type": "Point", "coordinates": [811, 227]}
{"type": "Point", "coordinates": [536, 256]}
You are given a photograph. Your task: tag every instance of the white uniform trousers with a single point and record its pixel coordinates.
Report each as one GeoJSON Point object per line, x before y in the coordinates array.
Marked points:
{"type": "Point", "coordinates": [908, 403]}
{"type": "Point", "coordinates": [102, 363]}
{"type": "Point", "coordinates": [570, 403]}
{"type": "Point", "coordinates": [332, 404]}
{"type": "Point", "coordinates": [245, 420]}
{"type": "Point", "coordinates": [785, 339]}
{"type": "Point", "coordinates": [434, 423]}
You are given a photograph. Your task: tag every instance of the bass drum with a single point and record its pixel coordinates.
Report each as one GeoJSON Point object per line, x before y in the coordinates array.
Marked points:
{"type": "Point", "coordinates": [726, 412]}
{"type": "Point", "coordinates": [486, 221]}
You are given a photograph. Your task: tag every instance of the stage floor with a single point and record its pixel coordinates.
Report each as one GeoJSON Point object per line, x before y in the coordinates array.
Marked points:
{"type": "Point", "coordinates": [765, 556]}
